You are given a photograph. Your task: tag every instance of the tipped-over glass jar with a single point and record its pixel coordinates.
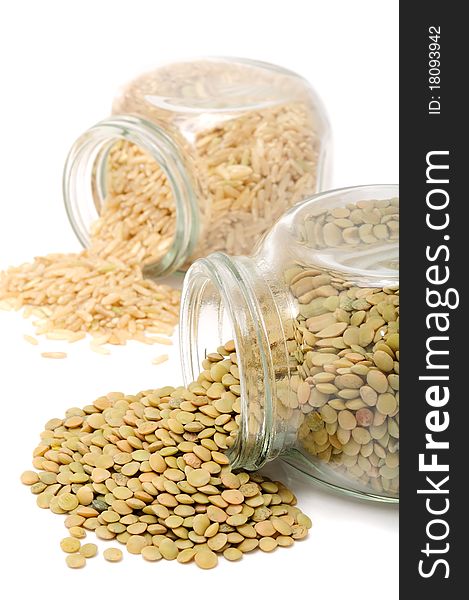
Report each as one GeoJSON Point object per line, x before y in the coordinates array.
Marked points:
{"type": "Point", "coordinates": [314, 314]}
{"type": "Point", "coordinates": [197, 157]}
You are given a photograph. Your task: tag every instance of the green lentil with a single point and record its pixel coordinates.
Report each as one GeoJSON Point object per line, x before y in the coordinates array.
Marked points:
{"type": "Point", "coordinates": [75, 561]}
{"type": "Point", "coordinates": [89, 550]}
{"type": "Point", "coordinates": [113, 554]}
{"type": "Point", "coordinates": [70, 545]}
{"type": "Point", "coordinates": [206, 559]}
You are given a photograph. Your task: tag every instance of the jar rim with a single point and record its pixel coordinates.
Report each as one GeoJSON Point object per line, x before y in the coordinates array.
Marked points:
{"type": "Point", "coordinates": [221, 285]}
{"type": "Point", "coordinates": [79, 185]}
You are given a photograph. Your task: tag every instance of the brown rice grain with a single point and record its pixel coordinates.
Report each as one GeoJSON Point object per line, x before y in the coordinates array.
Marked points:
{"type": "Point", "coordinates": [160, 359]}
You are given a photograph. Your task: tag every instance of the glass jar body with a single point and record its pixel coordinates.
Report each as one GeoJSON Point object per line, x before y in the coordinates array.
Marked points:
{"type": "Point", "coordinates": [314, 313]}
{"type": "Point", "coordinates": [237, 141]}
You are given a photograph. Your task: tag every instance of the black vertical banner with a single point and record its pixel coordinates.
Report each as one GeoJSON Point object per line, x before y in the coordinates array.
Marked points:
{"type": "Point", "coordinates": [434, 268]}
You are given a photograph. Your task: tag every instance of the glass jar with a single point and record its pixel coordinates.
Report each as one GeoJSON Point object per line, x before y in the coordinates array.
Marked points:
{"type": "Point", "coordinates": [314, 313]}
{"type": "Point", "coordinates": [203, 155]}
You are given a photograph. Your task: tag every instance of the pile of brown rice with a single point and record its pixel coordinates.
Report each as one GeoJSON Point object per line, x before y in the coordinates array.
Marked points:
{"type": "Point", "coordinates": [101, 290]}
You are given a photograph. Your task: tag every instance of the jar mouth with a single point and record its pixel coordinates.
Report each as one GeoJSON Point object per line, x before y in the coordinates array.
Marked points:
{"type": "Point", "coordinates": [84, 184]}
{"type": "Point", "coordinates": [218, 304]}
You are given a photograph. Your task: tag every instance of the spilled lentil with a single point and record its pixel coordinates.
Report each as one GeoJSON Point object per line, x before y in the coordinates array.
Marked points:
{"type": "Point", "coordinates": [150, 471]}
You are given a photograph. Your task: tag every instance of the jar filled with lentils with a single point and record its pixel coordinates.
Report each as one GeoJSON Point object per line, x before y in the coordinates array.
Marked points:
{"type": "Point", "coordinates": [197, 157]}
{"type": "Point", "coordinates": [314, 314]}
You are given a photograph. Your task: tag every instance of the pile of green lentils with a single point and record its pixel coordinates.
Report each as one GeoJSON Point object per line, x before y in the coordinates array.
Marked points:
{"type": "Point", "coordinates": [150, 471]}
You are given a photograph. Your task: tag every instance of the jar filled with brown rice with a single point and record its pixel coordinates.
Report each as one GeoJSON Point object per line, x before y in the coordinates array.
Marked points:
{"type": "Point", "coordinates": [197, 157]}
{"type": "Point", "coordinates": [314, 315]}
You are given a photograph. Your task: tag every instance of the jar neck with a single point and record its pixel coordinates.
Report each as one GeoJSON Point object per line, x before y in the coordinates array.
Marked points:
{"type": "Point", "coordinates": [84, 183]}
{"type": "Point", "coordinates": [232, 298]}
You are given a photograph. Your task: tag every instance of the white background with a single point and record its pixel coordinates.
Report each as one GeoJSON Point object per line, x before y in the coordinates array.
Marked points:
{"type": "Point", "coordinates": [61, 63]}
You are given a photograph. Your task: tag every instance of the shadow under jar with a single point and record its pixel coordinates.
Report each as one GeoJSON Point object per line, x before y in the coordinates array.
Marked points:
{"type": "Point", "coordinates": [198, 156]}
{"type": "Point", "coordinates": [314, 313]}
